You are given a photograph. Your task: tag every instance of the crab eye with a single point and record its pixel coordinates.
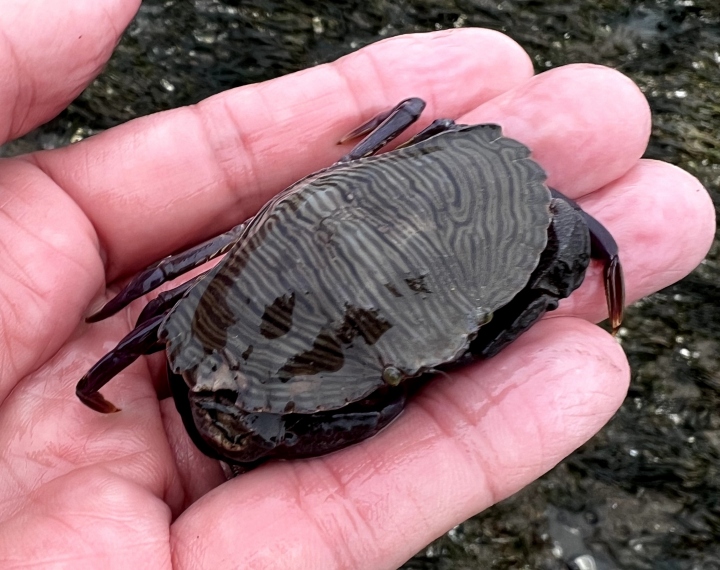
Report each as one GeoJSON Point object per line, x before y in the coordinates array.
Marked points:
{"type": "Point", "coordinates": [392, 376]}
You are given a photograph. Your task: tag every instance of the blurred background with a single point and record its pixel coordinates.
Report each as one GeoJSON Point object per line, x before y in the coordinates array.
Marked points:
{"type": "Point", "coordinates": [645, 492]}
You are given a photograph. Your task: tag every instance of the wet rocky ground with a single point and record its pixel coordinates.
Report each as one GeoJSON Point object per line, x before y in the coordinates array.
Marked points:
{"type": "Point", "coordinates": [645, 492]}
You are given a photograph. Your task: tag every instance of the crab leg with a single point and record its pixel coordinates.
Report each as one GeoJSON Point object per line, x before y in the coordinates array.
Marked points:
{"type": "Point", "coordinates": [138, 342]}
{"type": "Point", "coordinates": [436, 127]}
{"type": "Point", "coordinates": [168, 269]}
{"type": "Point", "coordinates": [383, 128]}
{"type": "Point", "coordinates": [605, 249]}
{"type": "Point", "coordinates": [166, 300]}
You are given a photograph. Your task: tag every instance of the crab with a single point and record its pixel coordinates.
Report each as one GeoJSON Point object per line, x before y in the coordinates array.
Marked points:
{"type": "Point", "coordinates": [356, 283]}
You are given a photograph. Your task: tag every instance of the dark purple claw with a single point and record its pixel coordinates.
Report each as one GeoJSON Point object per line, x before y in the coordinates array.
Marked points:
{"type": "Point", "coordinates": [97, 402]}
{"type": "Point", "coordinates": [143, 282]}
{"type": "Point", "coordinates": [605, 249]}
{"type": "Point", "coordinates": [365, 128]}
{"type": "Point", "coordinates": [436, 127]}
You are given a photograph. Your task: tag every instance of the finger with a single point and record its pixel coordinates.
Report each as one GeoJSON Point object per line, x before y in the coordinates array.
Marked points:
{"type": "Point", "coordinates": [88, 519]}
{"type": "Point", "coordinates": [48, 272]}
{"type": "Point", "coordinates": [664, 222]}
{"type": "Point", "coordinates": [585, 124]}
{"type": "Point", "coordinates": [49, 52]}
{"type": "Point", "coordinates": [175, 177]}
{"type": "Point", "coordinates": [463, 444]}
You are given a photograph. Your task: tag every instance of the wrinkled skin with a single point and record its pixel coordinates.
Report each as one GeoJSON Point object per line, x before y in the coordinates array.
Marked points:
{"type": "Point", "coordinates": [83, 490]}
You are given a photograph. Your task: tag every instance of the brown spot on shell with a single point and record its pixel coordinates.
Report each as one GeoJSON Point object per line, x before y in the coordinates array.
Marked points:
{"type": "Point", "coordinates": [277, 318]}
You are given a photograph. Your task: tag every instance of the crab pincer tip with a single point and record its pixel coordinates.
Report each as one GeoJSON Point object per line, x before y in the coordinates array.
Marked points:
{"type": "Point", "coordinates": [615, 292]}
{"type": "Point", "coordinates": [96, 401]}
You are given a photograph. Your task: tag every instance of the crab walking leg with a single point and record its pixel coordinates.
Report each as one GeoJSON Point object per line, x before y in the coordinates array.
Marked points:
{"type": "Point", "coordinates": [605, 249]}
{"type": "Point", "coordinates": [436, 127]}
{"type": "Point", "coordinates": [138, 342]}
{"type": "Point", "coordinates": [554, 278]}
{"type": "Point", "coordinates": [168, 269]}
{"type": "Point", "coordinates": [383, 128]}
{"type": "Point", "coordinates": [166, 300]}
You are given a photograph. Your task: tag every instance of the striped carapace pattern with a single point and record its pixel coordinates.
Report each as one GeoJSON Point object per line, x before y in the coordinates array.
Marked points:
{"type": "Point", "coordinates": [390, 261]}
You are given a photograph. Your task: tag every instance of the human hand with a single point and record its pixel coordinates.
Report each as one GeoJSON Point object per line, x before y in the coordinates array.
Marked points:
{"type": "Point", "coordinates": [130, 490]}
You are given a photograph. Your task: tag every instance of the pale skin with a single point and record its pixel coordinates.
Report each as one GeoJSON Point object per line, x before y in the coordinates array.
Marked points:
{"type": "Point", "coordinates": [83, 490]}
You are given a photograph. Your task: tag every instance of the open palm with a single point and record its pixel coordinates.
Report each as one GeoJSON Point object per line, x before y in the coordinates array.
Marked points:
{"type": "Point", "coordinates": [81, 489]}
